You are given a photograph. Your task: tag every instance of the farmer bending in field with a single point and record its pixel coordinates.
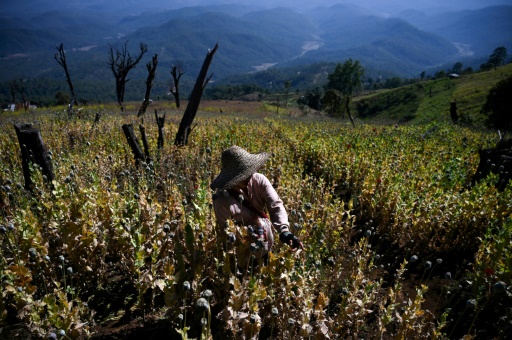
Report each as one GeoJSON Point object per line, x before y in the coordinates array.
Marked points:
{"type": "Point", "coordinates": [243, 195]}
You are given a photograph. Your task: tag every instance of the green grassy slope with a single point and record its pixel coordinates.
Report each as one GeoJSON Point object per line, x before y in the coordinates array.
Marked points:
{"type": "Point", "coordinates": [429, 101]}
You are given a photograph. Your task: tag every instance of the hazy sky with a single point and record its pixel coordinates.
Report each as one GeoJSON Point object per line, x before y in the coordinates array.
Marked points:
{"type": "Point", "coordinates": [388, 5]}
{"type": "Point", "coordinates": [19, 7]}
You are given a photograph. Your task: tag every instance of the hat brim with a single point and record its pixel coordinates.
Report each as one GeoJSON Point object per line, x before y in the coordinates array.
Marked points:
{"type": "Point", "coordinates": [228, 178]}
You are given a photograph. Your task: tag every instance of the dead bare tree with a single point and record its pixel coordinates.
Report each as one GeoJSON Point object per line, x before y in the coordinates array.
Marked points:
{"type": "Point", "coordinates": [21, 89]}
{"type": "Point", "coordinates": [13, 89]}
{"type": "Point", "coordinates": [195, 98]}
{"type": "Point", "coordinates": [160, 122]}
{"type": "Point", "coordinates": [176, 73]}
{"type": "Point", "coordinates": [121, 62]}
{"type": "Point", "coordinates": [60, 56]}
{"type": "Point", "coordinates": [149, 84]}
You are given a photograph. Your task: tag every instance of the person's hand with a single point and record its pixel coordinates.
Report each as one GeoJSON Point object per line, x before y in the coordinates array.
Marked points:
{"type": "Point", "coordinates": [291, 240]}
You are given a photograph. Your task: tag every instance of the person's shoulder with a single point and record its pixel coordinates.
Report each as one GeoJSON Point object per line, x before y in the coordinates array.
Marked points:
{"type": "Point", "coordinates": [260, 179]}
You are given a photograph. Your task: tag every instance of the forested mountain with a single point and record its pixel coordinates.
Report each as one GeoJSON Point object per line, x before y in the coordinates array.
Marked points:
{"type": "Point", "coordinates": [480, 30]}
{"type": "Point", "coordinates": [250, 39]}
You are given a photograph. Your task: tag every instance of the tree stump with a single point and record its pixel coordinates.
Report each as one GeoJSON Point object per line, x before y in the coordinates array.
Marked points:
{"type": "Point", "coordinates": [134, 144]}
{"type": "Point", "coordinates": [33, 151]}
{"type": "Point", "coordinates": [453, 112]}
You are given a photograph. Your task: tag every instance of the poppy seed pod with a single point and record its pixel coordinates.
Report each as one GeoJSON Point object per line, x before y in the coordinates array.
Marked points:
{"type": "Point", "coordinates": [471, 304]}
{"type": "Point", "coordinates": [202, 304]}
{"type": "Point", "coordinates": [231, 237]}
{"type": "Point", "coordinates": [254, 248]}
{"type": "Point", "coordinates": [32, 252]}
{"type": "Point", "coordinates": [207, 294]}
{"type": "Point", "coordinates": [499, 287]}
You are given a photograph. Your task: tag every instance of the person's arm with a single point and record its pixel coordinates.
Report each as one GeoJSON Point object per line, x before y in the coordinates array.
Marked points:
{"type": "Point", "coordinates": [221, 208]}
{"type": "Point", "coordinates": [278, 214]}
{"type": "Point", "coordinates": [274, 204]}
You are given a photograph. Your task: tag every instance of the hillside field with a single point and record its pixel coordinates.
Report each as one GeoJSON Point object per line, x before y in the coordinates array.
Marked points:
{"type": "Point", "coordinates": [397, 244]}
{"type": "Point", "coordinates": [429, 101]}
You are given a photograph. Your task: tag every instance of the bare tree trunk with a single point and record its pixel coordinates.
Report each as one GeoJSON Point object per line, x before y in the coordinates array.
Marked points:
{"type": "Point", "coordinates": [13, 88]}
{"type": "Point", "coordinates": [61, 59]}
{"type": "Point", "coordinates": [21, 88]}
{"type": "Point", "coordinates": [144, 142]}
{"type": "Point", "coordinates": [160, 121]}
{"type": "Point", "coordinates": [134, 144]}
{"type": "Point", "coordinates": [176, 75]}
{"type": "Point", "coordinates": [195, 98]}
{"type": "Point", "coordinates": [149, 84]}
{"type": "Point", "coordinates": [347, 107]}
{"type": "Point", "coordinates": [33, 151]}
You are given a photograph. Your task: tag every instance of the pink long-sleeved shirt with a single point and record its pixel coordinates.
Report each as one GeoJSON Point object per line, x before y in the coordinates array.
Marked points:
{"type": "Point", "coordinates": [261, 195]}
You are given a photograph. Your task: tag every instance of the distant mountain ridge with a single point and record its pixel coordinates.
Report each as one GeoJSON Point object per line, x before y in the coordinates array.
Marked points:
{"type": "Point", "coordinates": [249, 39]}
{"type": "Point", "coordinates": [482, 30]}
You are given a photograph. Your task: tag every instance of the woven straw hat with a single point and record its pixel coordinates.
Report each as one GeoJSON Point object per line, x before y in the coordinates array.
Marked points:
{"type": "Point", "coordinates": [237, 164]}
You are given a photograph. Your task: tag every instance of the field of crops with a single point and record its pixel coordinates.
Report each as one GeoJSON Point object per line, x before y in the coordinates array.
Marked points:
{"type": "Point", "coordinates": [396, 243]}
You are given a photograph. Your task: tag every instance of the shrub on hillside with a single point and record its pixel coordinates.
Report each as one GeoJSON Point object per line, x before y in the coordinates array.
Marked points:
{"type": "Point", "coordinates": [498, 106]}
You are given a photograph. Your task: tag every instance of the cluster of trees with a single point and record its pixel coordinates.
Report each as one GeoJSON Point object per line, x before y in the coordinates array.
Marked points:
{"type": "Point", "coordinates": [230, 92]}
{"type": "Point", "coordinates": [17, 86]}
{"type": "Point", "coordinates": [496, 59]}
{"type": "Point", "coordinates": [342, 85]}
